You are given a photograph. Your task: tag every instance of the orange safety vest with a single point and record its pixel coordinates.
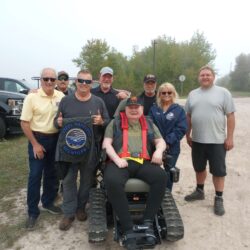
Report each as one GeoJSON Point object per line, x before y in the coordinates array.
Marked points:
{"type": "Point", "coordinates": [144, 130]}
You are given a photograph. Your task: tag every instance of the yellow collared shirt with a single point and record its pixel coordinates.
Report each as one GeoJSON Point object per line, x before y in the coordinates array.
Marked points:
{"type": "Point", "coordinates": [40, 110]}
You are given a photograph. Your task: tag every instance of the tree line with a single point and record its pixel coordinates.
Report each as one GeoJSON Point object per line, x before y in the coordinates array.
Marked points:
{"type": "Point", "coordinates": [239, 78]}
{"type": "Point", "coordinates": [165, 57]}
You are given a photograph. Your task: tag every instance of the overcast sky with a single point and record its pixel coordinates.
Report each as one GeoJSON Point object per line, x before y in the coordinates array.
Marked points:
{"type": "Point", "coordinates": [40, 33]}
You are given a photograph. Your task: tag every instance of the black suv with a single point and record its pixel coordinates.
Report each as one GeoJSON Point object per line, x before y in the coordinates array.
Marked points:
{"type": "Point", "coordinates": [13, 85]}
{"type": "Point", "coordinates": [12, 94]}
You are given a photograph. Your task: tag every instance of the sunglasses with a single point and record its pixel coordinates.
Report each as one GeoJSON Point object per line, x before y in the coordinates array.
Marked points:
{"type": "Point", "coordinates": [166, 92]}
{"type": "Point", "coordinates": [84, 80]}
{"type": "Point", "coordinates": [46, 79]}
{"type": "Point", "coordinates": [63, 78]}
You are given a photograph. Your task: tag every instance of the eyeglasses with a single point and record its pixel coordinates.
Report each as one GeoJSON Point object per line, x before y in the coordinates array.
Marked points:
{"type": "Point", "coordinates": [84, 80]}
{"type": "Point", "coordinates": [63, 78]}
{"type": "Point", "coordinates": [46, 79]}
{"type": "Point", "coordinates": [166, 92]}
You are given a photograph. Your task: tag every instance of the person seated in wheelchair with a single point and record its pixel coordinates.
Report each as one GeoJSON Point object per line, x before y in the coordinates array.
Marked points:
{"type": "Point", "coordinates": [135, 147]}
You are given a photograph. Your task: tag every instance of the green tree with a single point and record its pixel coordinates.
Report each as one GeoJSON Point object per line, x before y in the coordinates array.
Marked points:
{"type": "Point", "coordinates": [224, 81]}
{"type": "Point", "coordinates": [240, 77]}
{"type": "Point", "coordinates": [172, 60]}
{"type": "Point", "coordinates": [195, 54]}
{"type": "Point", "coordinates": [119, 63]}
{"type": "Point", "coordinates": [93, 56]}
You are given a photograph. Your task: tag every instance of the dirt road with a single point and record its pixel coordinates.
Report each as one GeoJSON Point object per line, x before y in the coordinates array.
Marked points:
{"type": "Point", "coordinates": [203, 230]}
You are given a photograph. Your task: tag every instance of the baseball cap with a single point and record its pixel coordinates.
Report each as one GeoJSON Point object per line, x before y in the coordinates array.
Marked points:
{"type": "Point", "coordinates": [63, 73]}
{"type": "Point", "coordinates": [106, 70]}
{"type": "Point", "coordinates": [134, 100]}
{"type": "Point", "coordinates": [149, 78]}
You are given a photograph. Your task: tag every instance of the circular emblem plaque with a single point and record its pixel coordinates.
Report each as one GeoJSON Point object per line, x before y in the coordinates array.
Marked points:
{"type": "Point", "coordinates": [75, 138]}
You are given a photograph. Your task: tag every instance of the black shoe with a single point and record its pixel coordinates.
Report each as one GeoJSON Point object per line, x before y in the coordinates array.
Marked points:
{"type": "Point", "coordinates": [30, 223]}
{"type": "Point", "coordinates": [130, 244]}
{"type": "Point", "coordinates": [197, 194]}
{"type": "Point", "coordinates": [130, 241]}
{"type": "Point", "coordinates": [150, 238]}
{"type": "Point", "coordinates": [218, 206]}
{"type": "Point", "coordinates": [53, 209]}
{"type": "Point", "coordinates": [66, 223]}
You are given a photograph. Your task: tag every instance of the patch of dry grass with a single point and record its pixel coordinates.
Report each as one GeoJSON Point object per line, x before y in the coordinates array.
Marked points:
{"type": "Point", "coordinates": [13, 177]}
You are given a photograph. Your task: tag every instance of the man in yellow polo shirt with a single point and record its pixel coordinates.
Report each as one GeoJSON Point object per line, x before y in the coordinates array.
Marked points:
{"type": "Point", "coordinates": [39, 110]}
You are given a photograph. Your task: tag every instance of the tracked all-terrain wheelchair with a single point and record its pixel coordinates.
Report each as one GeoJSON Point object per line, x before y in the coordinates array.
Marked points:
{"type": "Point", "coordinates": [167, 223]}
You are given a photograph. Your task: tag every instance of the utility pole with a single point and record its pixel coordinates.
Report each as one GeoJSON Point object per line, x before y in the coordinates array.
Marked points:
{"type": "Point", "coordinates": [154, 43]}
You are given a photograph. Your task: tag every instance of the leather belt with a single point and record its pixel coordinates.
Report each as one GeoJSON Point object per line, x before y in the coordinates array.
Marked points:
{"type": "Point", "coordinates": [36, 133]}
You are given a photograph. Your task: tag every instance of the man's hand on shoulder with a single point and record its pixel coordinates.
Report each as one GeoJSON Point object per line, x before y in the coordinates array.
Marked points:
{"type": "Point", "coordinates": [123, 94]}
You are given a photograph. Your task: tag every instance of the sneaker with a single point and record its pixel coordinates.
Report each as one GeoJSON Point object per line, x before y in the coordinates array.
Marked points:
{"type": "Point", "coordinates": [53, 209]}
{"type": "Point", "coordinates": [81, 215]}
{"type": "Point", "coordinates": [66, 223]}
{"type": "Point", "coordinates": [218, 206]}
{"type": "Point", "coordinates": [197, 194]}
{"type": "Point", "coordinates": [30, 223]}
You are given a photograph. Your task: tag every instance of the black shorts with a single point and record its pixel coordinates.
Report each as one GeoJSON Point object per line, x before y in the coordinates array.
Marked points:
{"type": "Point", "coordinates": [215, 154]}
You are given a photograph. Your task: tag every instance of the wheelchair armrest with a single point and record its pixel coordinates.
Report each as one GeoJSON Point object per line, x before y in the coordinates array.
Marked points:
{"type": "Point", "coordinates": [102, 160]}
{"type": "Point", "coordinates": [103, 155]}
{"type": "Point", "coordinates": [167, 159]}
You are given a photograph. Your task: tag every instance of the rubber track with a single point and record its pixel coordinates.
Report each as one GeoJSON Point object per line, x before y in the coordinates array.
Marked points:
{"type": "Point", "coordinates": [97, 216]}
{"type": "Point", "coordinates": [174, 224]}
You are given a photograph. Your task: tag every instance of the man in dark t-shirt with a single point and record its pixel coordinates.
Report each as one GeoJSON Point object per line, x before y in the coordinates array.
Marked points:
{"type": "Point", "coordinates": [148, 96]}
{"type": "Point", "coordinates": [106, 92]}
{"type": "Point", "coordinates": [80, 104]}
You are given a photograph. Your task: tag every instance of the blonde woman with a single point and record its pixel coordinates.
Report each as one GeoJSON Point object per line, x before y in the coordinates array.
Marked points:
{"type": "Point", "coordinates": [170, 119]}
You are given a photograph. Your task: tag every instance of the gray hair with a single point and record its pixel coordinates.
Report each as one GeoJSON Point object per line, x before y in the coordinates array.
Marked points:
{"type": "Point", "coordinates": [48, 69]}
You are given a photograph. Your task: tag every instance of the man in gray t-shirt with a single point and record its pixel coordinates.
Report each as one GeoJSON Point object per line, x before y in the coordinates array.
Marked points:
{"type": "Point", "coordinates": [210, 115]}
{"type": "Point", "coordinates": [84, 105]}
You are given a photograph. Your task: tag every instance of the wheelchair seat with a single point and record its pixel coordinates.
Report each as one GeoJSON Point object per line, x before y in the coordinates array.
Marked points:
{"type": "Point", "coordinates": [136, 185]}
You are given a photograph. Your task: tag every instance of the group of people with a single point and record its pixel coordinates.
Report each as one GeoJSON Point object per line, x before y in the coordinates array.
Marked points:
{"type": "Point", "coordinates": [134, 131]}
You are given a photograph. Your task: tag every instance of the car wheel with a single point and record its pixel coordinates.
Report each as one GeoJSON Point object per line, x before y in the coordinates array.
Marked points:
{"type": "Point", "coordinates": [2, 128]}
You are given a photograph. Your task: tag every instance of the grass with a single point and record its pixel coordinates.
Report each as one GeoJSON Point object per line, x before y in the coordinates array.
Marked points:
{"type": "Point", "coordinates": [13, 177]}
{"type": "Point", "coordinates": [14, 165]}
{"type": "Point", "coordinates": [9, 233]}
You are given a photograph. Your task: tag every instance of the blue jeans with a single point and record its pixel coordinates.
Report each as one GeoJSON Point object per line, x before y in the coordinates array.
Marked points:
{"type": "Point", "coordinates": [39, 169]}
{"type": "Point", "coordinates": [171, 164]}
